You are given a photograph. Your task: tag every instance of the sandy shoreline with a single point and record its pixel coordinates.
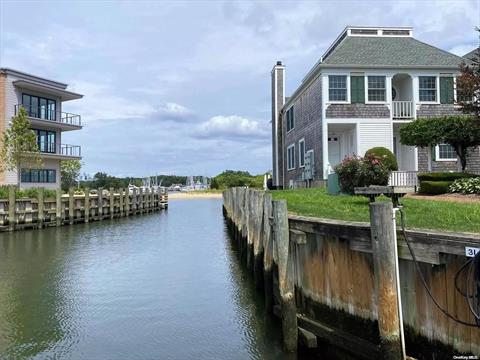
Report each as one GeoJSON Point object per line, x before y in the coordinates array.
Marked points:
{"type": "Point", "coordinates": [193, 195]}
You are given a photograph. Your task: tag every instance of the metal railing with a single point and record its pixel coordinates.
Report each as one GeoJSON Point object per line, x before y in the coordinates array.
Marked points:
{"type": "Point", "coordinates": [402, 110]}
{"type": "Point", "coordinates": [50, 115]}
{"type": "Point", "coordinates": [403, 178]}
{"type": "Point", "coordinates": [47, 147]}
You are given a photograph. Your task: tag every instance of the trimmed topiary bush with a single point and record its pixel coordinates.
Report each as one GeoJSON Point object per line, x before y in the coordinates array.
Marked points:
{"type": "Point", "coordinates": [434, 187]}
{"type": "Point", "coordinates": [466, 186]}
{"type": "Point", "coordinates": [384, 155]}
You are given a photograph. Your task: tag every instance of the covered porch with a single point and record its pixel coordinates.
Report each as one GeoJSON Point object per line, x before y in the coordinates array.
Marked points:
{"type": "Point", "coordinates": [342, 142]}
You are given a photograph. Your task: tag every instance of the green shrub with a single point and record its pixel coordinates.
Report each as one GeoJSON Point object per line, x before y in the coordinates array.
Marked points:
{"type": "Point", "coordinates": [434, 187]}
{"type": "Point", "coordinates": [229, 178]}
{"type": "Point", "coordinates": [31, 193]}
{"type": "Point", "coordinates": [466, 186]}
{"type": "Point", "coordinates": [356, 172]}
{"type": "Point", "coordinates": [444, 176]}
{"type": "Point", "coordinates": [384, 155]}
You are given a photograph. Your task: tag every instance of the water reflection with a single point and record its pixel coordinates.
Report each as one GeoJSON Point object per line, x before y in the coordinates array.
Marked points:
{"type": "Point", "coordinates": [167, 285]}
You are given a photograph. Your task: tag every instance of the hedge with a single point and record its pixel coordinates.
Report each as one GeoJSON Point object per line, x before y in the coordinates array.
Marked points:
{"type": "Point", "coordinates": [444, 176]}
{"type": "Point", "coordinates": [434, 187]}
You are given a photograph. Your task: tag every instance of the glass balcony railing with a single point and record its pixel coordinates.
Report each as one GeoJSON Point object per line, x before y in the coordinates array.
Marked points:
{"type": "Point", "coordinates": [59, 149]}
{"type": "Point", "coordinates": [50, 115]}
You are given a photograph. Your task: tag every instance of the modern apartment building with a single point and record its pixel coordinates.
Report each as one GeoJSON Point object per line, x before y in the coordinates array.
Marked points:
{"type": "Point", "coordinates": [367, 84]}
{"type": "Point", "coordinates": [43, 101]}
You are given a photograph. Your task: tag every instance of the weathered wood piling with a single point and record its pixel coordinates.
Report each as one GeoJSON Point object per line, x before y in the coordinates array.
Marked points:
{"type": "Point", "coordinates": [336, 281]}
{"type": "Point", "coordinates": [71, 208]}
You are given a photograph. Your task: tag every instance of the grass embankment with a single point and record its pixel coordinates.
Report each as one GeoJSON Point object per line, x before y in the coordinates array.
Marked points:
{"type": "Point", "coordinates": [420, 213]}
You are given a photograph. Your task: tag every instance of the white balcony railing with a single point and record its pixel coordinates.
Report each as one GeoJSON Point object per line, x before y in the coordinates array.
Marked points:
{"type": "Point", "coordinates": [403, 178]}
{"type": "Point", "coordinates": [402, 110]}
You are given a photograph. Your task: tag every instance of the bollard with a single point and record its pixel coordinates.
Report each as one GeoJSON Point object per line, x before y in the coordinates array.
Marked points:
{"type": "Point", "coordinates": [285, 276]}
{"type": "Point", "coordinates": [386, 279]}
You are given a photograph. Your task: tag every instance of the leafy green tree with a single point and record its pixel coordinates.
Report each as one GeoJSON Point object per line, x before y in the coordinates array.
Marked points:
{"type": "Point", "coordinates": [230, 178]}
{"type": "Point", "coordinates": [70, 172]}
{"type": "Point", "coordinates": [19, 148]}
{"type": "Point", "coordinates": [461, 132]}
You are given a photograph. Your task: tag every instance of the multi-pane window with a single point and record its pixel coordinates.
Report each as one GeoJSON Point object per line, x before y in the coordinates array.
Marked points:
{"type": "Point", "coordinates": [376, 88]}
{"type": "Point", "coordinates": [290, 119]}
{"type": "Point", "coordinates": [291, 157]}
{"type": "Point", "coordinates": [427, 88]}
{"type": "Point", "coordinates": [39, 107]}
{"type": "Point", "coordinates": [301, 153]}
{"type": "Point", "coordinates": [446, 152]}
{"type": "Point", "coordinates": [39, 175]}
{"type": "Point", "coordinates": [337, 88]}
{"type": "Point", "coordinates": [46, 140]}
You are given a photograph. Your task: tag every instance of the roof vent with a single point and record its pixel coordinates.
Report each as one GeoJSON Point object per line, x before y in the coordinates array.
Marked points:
{"type": "Point", "coordinates": [364, 31]}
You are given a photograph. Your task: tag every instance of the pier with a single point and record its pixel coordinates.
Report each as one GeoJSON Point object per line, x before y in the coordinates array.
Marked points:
{"type": "Point", "coordinates": [71, 208]}
{"type": "Point", "coordinates": [354, 285]}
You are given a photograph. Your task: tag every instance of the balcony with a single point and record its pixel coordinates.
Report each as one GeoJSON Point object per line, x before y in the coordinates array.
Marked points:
{"type": "Point", "coordinates": [45, 116]}
{"type": "Point", "coordinates": [53, 150]}
{"type": "Point", "coordinates": [402, 110]}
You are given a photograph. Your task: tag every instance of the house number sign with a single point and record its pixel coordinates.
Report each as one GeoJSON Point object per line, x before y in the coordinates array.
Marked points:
{"type": "Point", "coordinates": [471, 251]}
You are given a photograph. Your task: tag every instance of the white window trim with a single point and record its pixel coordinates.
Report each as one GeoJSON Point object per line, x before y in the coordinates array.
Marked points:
{"type": "Point", "coordinates": [293, 157]}
{"type": "Point", "coordinates": [367, 101]}
{"type": "Point", "coordinates": [437, 89]}
{"type": "Point", "coordinates": [286, 122]}
{"type": "Point", "coordinates": [302, 140]}
{"type": "Point", "coordinates": [328, 90]}
{"type": "Point", "coordinates": [437, 154]}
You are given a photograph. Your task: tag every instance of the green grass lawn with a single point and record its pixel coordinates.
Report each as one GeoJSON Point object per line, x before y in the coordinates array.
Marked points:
{"type": "Point", "coordinates": [424, 214]}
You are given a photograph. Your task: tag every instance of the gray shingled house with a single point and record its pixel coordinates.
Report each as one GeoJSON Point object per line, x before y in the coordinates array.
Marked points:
{"type": "Point", "coordinates": [368, 83]}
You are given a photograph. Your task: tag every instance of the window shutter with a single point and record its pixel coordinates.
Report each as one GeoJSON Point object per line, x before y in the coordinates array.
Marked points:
{"type": "Point", "coordinates": [446, 90]}
{"type": "Point", "coordinates": [357, 89]}
{"type": "Point", "coordinates": [433, 152]}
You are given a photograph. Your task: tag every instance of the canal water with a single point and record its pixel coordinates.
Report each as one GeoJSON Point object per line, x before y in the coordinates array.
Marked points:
{"type": "Point", "coordinates": [167, 285]}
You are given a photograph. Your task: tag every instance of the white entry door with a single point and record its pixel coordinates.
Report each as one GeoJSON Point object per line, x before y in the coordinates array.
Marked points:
{"type": "Point", "coordinates": [334, 150]}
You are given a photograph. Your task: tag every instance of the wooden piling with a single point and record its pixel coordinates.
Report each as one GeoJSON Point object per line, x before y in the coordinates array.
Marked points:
{"type": "Point", "coordinates": [11, 207]}
{"type": "Point", "coordinates": [58, 207]}
{"type": "Point", "coordinates": [134, 201]}
{"type": "Point", "coordinates": [87, 205]}
{"type": "Point", "coordinates": [100, 203]}
{"type": "Point", "coordinates": [71, 204]}
{"type": "Point", "coordinates": [268, 251]}
{"type": "Point", "coordinates": [384, 262]}
{"type": "Point", "coordinates": [40, 207]}
{"type": "Point", "coordinates": [127, 202]}
{"type": "Point", "coordinates": [120, 199]}
{"type": "Point", "coordinates": [258, 240]}
{"type": "Point", "coordinates": [285, 276]}
{"type": "Point", "coordinates": [112, 202]}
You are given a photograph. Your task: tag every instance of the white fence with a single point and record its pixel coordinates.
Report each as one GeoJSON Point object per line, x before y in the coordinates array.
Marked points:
{"type": "Point", "coordinates": [403, 178]}
{"type": "Point", "coordinates": [402, 110]}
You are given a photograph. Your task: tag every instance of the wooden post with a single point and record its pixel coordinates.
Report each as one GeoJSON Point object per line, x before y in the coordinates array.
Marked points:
{"type": "Point", "coordinates": [285, 276]}
{"type": "Point", "coordinates": [87, 205]}
{"type": "Point", "coordinates": [258, 240]}
{"type": "Point", "coordinates": [268, 251]}
{"type": "Point", "coordinates": [250, 215]}
{"type": "Point", "coordinates": [127, 201]}
{"type": "Point", "coordinates": [141, 200]}
{"type": "Point", "coordinates": [120, 201]}
{"type": "Point", "coordinates": [112, 202]}
{"type": "Point", "coordinates": [11, 208]}
{"type": "Point", "coordinates": [71, 204]}
{"type": "Point", "coordinates": [134, 201]}
{"type": "Point", "coordinates": [386, 277]}
{"type": "Point", "coordinates": [100, 203]}
{"type": "Point", "coordinates": [40, 207]}
{"type": "Point", "coordinates": [58, 208]}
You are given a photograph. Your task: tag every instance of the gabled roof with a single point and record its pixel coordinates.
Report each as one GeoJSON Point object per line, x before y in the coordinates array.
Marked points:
{"type": "Point", "coordinates": [472, 55]}
{"type": "Point", "coordinates": [388, 51]}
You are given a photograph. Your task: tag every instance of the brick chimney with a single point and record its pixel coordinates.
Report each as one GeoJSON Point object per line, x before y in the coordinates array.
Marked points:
{"type": "Point", "coordinates": [278, 100]}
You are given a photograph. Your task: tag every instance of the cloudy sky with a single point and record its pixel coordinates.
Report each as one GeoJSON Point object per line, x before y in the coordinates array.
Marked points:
{"type": "Point", "coordinates": [183, 87]}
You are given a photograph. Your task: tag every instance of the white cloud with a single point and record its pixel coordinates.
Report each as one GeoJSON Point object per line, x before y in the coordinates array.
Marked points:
{"type": "Point", "coordinates": [232, 126]}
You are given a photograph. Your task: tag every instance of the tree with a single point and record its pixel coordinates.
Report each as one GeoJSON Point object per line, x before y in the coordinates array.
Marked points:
{"type": "Point", "coordinates": [19, 148]}
{"type": "Point", "coordinates": [468, 85]}
{"type": "Point", "coordinates": [70, 171]}
{"type": "Point", "coordinates": [461, 132]}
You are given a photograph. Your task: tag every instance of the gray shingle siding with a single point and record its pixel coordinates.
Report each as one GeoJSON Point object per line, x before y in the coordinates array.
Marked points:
{"type": "Point", "coordinates": [436, 110]}
{"type": "Point", "coordinates": [357, 111]}
{"type": "Point", "coordinates": [308, 125]}
{"type": "Point", "coordinates": [473, 162]}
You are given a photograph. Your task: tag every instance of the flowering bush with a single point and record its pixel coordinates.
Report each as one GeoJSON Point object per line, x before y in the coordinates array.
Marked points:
{"type": "Point", "coordinates": [466, 186]}
{"type": "Point", "coordinates": [357, 171]}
